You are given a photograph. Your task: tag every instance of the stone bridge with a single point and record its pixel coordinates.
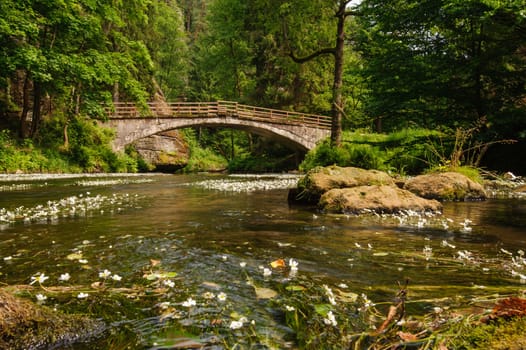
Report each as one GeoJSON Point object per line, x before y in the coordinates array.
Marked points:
{"type": "Point", "coordinates": [297, 130]}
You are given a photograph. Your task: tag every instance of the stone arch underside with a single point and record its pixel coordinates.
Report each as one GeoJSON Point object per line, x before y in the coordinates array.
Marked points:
{"type": "Point", "coordinates": [297, 137]}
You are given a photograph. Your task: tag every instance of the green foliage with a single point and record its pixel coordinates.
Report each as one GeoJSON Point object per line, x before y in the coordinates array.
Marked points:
{"type": "Point", "coordinates": [444, 63]}
{"type": "Point", "coordinates": [404, 151]}
{"type": "Point", "coordinates": [432, 64]}
{"type": "Point", "coordinates": [138, 164]}
{"type": "Point", "coordinates": [201, 159]}
{"type": "Point", "coordinates": [88, 150]}
{"type": "Point", "coordinates": [259, 164]}
{"type": "Point", "coordinates": [499, 335]}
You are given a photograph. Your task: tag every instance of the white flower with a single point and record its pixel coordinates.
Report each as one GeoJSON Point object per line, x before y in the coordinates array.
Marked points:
{"type": "Point", "coordinates": [428, 252]}
{"type": "Point", "coordinates": [189, 302]}
{"type": "Point", "coordinates": [164, 305]}
{"type": "Point", "coordinates": [116, 277]}
{"type": "Point", "coordinates": [447, 244]}
{"type": "Point", "coordinates": [224, 257]}
{"type": "Point", "coordinates": [64, 277]}
{"type": "Point", "coordinates": [464, 255]}
{"type": "Point", "coordinates": [293, 264]}
{"type": "Point", "coordinates": [289, 308]}
{"type": "Point", "coordinates": [366, 302]}
{"type": "Point", "coordinates": [267, 272]}
{"type": "Point", "coordinates": [83, 261]}
{"type": "Point", "coordinates": [330, 320]}
{"type": "Point", "coordinates": [208, 295]}
{"type": "Point", "coordinates": [169, 283]}
{"type": "Point", "coordinates": [242, 264]}
{"type": "Point", "coordinates": [236, 324]}
{"type": "Point", "coordinates": [6, 258]}
{"type": "Point", "coordinates": [82, 295]}
{"type": "Point", "coordinates": [105, 274]}
{"type": "Point", "coordinates": [328, 291]}
{"type": "Point", "coordinates": [332, 300]}
{"type": "Point", "coordinates": [41, 297]}
{"type": "Point", "coordinates": [343, 285]}
{"type": "Point", "coordinates": [221, 296]}
{"type": "Point", "coordinates": [40, 278]}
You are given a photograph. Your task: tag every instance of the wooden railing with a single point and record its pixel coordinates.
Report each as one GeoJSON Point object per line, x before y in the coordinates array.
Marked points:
{"type": "Point", "coordinates": [124, 110]}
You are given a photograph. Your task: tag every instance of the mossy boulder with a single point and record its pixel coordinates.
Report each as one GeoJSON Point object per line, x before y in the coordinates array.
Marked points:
{"type": "Point", "coordinates": [320, 180]}
{"type": "Point", "coordinates": [26, 325]}
{"type": "Point", "coordinates": [376, 198]}
{"type": "Point", "coordinates": [449, 186]}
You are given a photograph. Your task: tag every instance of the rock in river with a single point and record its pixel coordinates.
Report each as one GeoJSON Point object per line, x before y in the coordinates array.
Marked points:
{"type": "Point", "coordinates": [320, 180]}
{"type": "Point", "coordinates": [446, 186]}
{"type": "Point", "coordinates": [375, 198]}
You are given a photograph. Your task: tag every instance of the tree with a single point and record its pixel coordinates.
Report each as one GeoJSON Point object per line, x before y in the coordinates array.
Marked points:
{"type": "Point", "coordinates": [445, 62]}
{"type": "Point", "coordinates": [67, 55]}
{"type": "Point", "coordinates": [168, 45]}
{"type": "Point", "coordinates": [337, 108]}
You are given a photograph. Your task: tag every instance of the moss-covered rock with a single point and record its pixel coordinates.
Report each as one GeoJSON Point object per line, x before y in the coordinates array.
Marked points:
{"type": "Point", "coordinates": [320, 180]}
{"type": "Point", "coordinates": [376, 198]}
{"type": "Point", "coordinates": [446, 186]}
{"type": "Point", "coordinates": [25, 325]}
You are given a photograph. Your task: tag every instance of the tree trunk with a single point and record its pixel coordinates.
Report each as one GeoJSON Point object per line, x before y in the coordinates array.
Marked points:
{"type": "Point", "coordinates": [337, 100]}
{"type": "Point", "coordinates": [35, 120]}
{"type": "Point", "coordinates": [24, 131]}
{"type": "Point", "coordinates": [232, 145]}
{"type": "Point", "coordinates": [116, 92]}
{"type": "Point", "coordinates": [66, 137]}
{"type": "Point", "coordinates": [378, 124]}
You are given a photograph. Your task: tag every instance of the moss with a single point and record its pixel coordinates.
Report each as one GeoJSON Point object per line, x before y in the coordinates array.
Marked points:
{"type": "Point", "coordinates": [25, 325]}
{"type": "Point", "coordinates": [497, 335]}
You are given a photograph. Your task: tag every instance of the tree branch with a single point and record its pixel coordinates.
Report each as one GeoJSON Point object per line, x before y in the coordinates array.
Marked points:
{"type": "Point", "coordinates": [325, 51]}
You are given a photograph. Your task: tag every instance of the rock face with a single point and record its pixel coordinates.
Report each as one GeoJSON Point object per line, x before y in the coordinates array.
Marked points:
{"type": "Point", "coordinates": [446, 186]}
{"type": "Point", "coordinates": [165, 151]}
{"type": "Point", "coordinates": [320, 180]}
{"type": "Point", "coordinates": [376, 198]}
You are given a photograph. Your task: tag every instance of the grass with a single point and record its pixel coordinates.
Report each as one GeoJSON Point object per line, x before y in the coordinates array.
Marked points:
{"type": "Point", "coordinates": [404, 152]}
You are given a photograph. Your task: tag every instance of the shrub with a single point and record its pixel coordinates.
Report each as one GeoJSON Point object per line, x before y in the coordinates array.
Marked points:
{"type": "Point", "coordinates": [405, 151]}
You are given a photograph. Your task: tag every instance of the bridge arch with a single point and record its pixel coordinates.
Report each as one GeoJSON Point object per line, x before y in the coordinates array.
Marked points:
{"type": "Point", "coordinates": [296, 130]}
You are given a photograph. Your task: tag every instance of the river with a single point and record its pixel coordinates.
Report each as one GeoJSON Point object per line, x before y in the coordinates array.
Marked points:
{"type": "Point", "coordinates": [211, 259]}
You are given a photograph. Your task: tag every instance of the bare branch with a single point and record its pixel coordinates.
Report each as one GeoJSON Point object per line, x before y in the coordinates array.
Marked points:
{"type": "Point", "coordinates": [325, 51]}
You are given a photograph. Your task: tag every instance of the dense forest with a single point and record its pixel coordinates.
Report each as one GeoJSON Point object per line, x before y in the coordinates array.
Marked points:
{"type": "Point", "coordinates": [456, 68]}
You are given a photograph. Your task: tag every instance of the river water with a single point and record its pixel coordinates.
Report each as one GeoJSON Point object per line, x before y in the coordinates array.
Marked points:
{"type": "Point", "coordinates": [164, 259]}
